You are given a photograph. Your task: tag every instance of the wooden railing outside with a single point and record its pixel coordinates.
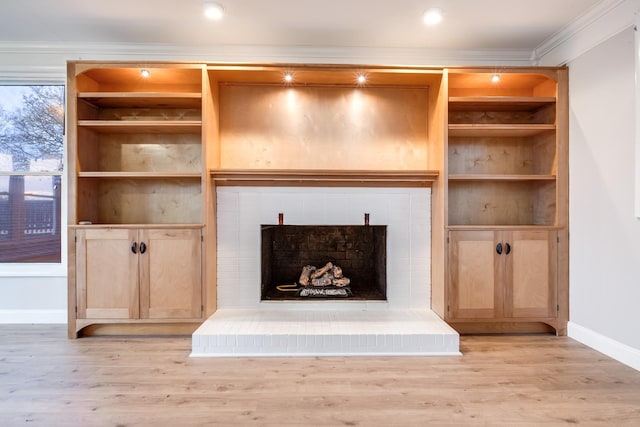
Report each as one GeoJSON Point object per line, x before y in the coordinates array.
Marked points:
{"type": "Point", "coordinates": [29, 225]}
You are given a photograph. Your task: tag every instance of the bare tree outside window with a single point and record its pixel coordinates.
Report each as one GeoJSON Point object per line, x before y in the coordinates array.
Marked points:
{"type": "Point", "coordinates": [31, 153]}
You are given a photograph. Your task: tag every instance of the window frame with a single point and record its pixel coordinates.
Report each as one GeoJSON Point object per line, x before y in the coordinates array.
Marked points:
{"type": "Point", "coordinates": [48, 269]}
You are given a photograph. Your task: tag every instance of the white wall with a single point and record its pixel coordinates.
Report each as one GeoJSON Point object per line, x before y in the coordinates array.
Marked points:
{"type": "Point", "coordinates": [33, 298]}
{"type": "Point", "coordinates": [605, 235]}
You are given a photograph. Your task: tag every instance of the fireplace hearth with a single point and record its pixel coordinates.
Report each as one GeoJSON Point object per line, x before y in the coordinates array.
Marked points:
{"type": "Point", "coordinates": [317, 262]}
{"type": "Point", "coordinates": [247, 325]}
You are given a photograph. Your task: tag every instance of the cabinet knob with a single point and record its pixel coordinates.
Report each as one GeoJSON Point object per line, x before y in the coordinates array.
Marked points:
{"type": "Point", "coordinates": [499, 248]}
{"type": "Point", "coordinates": [143, 248]}
{"type": "Point", "coordinates": [134, 247]}
{"type": "Point", "coordinates": [507, 248]}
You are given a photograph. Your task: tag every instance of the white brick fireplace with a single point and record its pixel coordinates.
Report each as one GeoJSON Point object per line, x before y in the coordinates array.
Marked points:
{"type": "Point", "coordinates": [246, 326]}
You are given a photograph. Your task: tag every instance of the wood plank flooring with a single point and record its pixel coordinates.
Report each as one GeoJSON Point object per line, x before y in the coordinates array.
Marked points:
{"type": "Point", "coordinates": [47, 380]}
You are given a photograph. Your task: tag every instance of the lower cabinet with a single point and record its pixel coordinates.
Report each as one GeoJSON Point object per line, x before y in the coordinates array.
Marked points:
{"type": "Point", "coordinates": [138, 273]}
{"type": "Point", "coordinates": [503, 276]}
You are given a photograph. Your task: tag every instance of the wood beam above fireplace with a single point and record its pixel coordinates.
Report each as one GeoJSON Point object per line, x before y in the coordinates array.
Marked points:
{"type": "Point", "coordinates": [322, 178]}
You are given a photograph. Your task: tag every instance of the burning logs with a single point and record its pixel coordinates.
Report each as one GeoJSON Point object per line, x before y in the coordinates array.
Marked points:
{"type": "Point", "coordinates": [329, 275]}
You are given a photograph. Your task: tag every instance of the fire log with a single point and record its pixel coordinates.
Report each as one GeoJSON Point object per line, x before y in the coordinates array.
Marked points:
{"type": "Point", "coordinates": [321, 271]}
{"type": "Point", "coordinates": [341, 282]}
{"type": "Point", "coordinates": [305, 276]}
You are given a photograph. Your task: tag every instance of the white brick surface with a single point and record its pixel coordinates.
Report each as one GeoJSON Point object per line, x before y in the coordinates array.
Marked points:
{"type": "Point", "coordinates": [241, 211]}
{"type": "Point", "coordinates": [250, 333]}
{"type": "Point", "coordinates": [245, 326]}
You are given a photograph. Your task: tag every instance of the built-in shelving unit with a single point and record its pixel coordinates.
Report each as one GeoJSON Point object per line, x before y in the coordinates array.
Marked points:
{"type": "Point", "coordinates": [506, 200]}
{"type": "Point", "coordinates": [137, 194]}
{"type": "Point", "coordinates": [147, 153]}
{"type": "Point", "coordinates": [501, 150]}
{"type": "Point", "coordinates": [139, 139]}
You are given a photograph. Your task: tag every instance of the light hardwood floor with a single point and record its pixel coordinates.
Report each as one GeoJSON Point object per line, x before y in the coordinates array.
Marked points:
{"type": "Point", "coordinates": [47, 380]}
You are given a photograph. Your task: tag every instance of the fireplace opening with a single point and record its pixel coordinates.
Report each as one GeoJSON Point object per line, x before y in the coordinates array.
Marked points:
{"type": "Point", "coordinates": [313, 262]}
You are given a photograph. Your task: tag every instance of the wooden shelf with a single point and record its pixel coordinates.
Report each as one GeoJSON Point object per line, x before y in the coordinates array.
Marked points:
{"type": "Point", "coordinates": [503, 227]}
{"type": "Point", "coordinates": [143, 99]}
{"type": "Point", "coordinates": [331, 178]}
{"type": "Point", "coordinates": [498, 103]}
{"type": "Point", "coordinates": [139, 175]}
{"type": "Point", "coordinates": [142, 126]}
{"type": "Point", "coordinates": [505, 177]}
{"type": "Point", "coordinates": [127, 226]}
{"type": "Point", "coordinates": [499, 130]}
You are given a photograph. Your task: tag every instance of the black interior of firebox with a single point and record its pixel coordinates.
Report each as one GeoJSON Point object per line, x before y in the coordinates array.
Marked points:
{"type": "Point", "coordinates": [360, 250]}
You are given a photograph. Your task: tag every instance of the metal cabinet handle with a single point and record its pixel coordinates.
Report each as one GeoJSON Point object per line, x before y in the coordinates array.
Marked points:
{"type": "Point", "coordinates": [134, 247]}
{"type": "Point", "coordinates": [507, 249]}
{"type": "Point", "coordinates": [143, 248]}
{"type": "Point", "coordinates": [499, 248]}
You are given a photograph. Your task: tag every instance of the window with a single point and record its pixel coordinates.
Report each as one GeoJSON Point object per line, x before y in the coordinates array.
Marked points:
{"type": "Point", "coordinates": [31, 153]}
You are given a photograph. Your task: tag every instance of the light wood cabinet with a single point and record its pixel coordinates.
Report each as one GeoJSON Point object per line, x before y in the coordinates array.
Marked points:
{"type": "Point", "coordinates": [505, 201]}
{"type": "Point", "coordinates": [503, 275]}
{"type": "Point", "coordinates": [171, 274]}
{"type": "Point", "coordinates": [137, 176]}
{"type": "Point", "coordinates": [124, 273]}
{"type": "Point", "coordinates": [106, 274]}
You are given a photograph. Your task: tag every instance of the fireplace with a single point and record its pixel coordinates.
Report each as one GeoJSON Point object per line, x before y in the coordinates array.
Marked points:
{"type": "Point", "coordinates": [323, 262]}
{"type": "Point", "coordinates": [246, 324]}
{"type": "Point", "coordinates": [243, 210]}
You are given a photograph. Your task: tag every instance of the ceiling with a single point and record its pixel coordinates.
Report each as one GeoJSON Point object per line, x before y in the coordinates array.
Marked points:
{"type": "Point", "coordinates": [467, 24]}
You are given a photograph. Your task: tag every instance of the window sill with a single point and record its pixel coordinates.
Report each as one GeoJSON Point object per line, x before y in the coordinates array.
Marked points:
{"type": "Point", "coordinates": [33, 270]}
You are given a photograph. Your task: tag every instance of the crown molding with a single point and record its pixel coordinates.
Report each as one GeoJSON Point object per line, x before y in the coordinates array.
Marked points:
{"type": "Point", "coordinates": [32, 61]}
{"type": "Point", "coordinates": [28, 62]}
{"type": "Point", "coordinates": [603, 21]}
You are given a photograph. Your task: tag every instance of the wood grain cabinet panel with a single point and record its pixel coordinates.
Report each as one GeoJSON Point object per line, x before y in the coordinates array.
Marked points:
{"type": "Point", "coordinates": [107, 274]}
{"type": "Point", "coordinates": [473, 275]}
{"type": "Point", "coordinates": [138, 274]}
{"type": "Point", "coordinates": [171, 274]}
{"type": "Point", "coordinates": [502, 275]}
{"type": "Point", "coordinates": [531, 274]}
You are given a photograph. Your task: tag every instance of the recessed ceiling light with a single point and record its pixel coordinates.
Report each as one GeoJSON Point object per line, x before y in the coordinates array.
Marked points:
{"type": "Point", "coordinates": [145, 73]}
{"type": "Point", "coordinates": [432, 16]}
{"type": "Point", "coordinates": [495, 78]}
{"type": "Point", "coordinates": [213, 10]}
{"type": "Point", "coordinates": [288, 77]}
{"type": "Point", "coordinates": [361, 79]}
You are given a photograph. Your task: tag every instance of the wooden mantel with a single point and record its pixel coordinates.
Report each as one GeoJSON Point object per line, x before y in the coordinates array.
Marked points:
{"type": "Point", "coordinates": [322, 178]}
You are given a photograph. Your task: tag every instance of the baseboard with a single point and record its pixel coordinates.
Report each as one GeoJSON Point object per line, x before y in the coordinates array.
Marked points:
{"type": "Point", "coordinates": [33, 316]}
{"type": "Point", "coordinates": [621, 352]}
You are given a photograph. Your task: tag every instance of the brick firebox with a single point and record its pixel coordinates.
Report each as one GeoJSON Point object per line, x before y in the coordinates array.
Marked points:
{"type": "Point", "coordinates": [359, 250]}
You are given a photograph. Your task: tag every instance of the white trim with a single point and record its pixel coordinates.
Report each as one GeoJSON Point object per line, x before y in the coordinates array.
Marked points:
{"type": "Point", "coordinates": [603, 21]}
{"type": "Point", "coordinates": [621, 352]}
{"type": "Point", "coordinates": [637, 118]}
{"type": "Point", "coordinates": [33, 316]}
{"type": "Point", "coordinates": [26, 270]}
{"type": "Point", "coordinates": [20, 61]}
{"type": "Point", "coordinates": [32, 74]}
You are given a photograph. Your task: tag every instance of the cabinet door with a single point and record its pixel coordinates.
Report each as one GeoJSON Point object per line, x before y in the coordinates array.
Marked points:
{"type": "Point", "coordinates": [531, 275]}
{"type": "Point", "coordinates": [107, 274]}
{"type": "Point", "coordinates": [474, 275]}
{"type": "Point", "coordinates": [171, 274]}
